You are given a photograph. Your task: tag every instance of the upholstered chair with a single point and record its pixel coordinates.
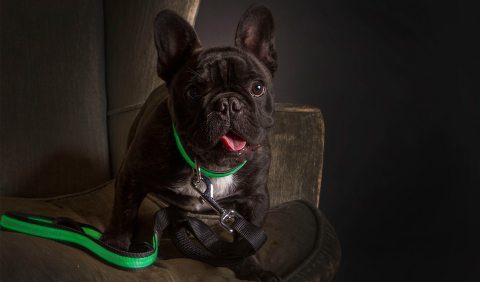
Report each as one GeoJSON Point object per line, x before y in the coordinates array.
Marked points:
{"type": "Point", "coordinates": [73, 76]}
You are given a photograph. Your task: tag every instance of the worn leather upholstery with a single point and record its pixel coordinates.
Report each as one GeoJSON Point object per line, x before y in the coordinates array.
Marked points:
{"type": "Point", "coordinates": [73, 77]}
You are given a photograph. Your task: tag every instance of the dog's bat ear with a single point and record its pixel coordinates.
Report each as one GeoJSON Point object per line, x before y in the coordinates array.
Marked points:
{"type": "Point", "coordinates": [175, 40]}
{"type": "Point", "coordinates": [256, 32]}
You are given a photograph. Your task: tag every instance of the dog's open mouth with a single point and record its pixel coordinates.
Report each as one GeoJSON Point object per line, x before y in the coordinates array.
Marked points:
{"type": "Point", "coordinates": [231, 150]}
{"type": "Point", "coordinates": [233, 142]}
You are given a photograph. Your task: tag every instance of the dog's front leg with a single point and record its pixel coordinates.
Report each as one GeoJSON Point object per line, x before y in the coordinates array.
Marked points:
{"type": "Point", "coordinates": [125, 209]}
{"type": "Point", "coordinates": [254, 209]}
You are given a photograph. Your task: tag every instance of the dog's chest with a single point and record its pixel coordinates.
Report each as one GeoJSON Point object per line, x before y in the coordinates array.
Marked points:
{"type": "Point", "coordinates": [222, 187]}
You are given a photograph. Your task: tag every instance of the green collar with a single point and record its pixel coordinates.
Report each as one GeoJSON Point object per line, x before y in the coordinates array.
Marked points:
{"type": "Point", "coordinates": [202, 170]}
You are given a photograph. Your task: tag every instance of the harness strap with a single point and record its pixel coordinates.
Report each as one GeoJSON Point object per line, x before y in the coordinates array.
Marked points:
{"type": "Point", "coordinates": [216, 252]}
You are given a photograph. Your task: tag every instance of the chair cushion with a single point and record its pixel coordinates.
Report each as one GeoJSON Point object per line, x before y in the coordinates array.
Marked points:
{"type": "Point", "coordinates": [301, 243]}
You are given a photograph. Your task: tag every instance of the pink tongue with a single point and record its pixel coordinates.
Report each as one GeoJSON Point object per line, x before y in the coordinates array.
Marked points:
{"type": "Point", "coordinates": [233, 142]}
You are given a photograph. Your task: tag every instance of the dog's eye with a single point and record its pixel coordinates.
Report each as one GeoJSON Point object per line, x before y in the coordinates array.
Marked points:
{"type": "Point", "coordinates": [257, 88]}
{"type": "Point", "coordinates": [192, 94]}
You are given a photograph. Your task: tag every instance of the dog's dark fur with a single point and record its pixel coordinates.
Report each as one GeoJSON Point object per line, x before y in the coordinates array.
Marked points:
{"type": "Point", "coordinates": [223, 103]}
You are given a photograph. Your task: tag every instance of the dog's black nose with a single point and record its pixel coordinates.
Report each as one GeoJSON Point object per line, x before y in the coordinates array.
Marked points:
{"type": "Point", "coordinates": [231, 104]}
{"type": "Point", "coordinates": [235, 105]}
{"type": "Point", "coordinates": [222, 106]}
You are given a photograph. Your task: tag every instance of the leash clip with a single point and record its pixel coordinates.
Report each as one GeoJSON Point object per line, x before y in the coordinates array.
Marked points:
{"type": "Point", "coordinates": [207, 196]}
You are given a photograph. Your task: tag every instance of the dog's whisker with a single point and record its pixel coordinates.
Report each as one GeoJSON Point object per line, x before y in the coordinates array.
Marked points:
{"type": "Point", "coordinates": [193, 72]}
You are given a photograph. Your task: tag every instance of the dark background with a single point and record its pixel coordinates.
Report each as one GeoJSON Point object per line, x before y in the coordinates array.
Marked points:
{"type": "Point", "coordinates": [398, 86]}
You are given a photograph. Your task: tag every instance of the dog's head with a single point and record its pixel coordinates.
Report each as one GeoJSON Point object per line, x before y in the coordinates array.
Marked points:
{"type": "Point", "coordinates": [221, 98]}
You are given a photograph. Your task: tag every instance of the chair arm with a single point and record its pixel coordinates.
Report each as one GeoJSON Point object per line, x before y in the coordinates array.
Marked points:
{"type": "Point", "coordinates": [297, 141]}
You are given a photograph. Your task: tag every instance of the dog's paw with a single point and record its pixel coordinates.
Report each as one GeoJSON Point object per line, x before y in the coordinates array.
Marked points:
{"type": "Point", "coordinates": [259, 275]}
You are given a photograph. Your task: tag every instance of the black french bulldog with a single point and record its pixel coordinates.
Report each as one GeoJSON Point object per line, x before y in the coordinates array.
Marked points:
{"type": "Point", "coordinates": [221, 104]}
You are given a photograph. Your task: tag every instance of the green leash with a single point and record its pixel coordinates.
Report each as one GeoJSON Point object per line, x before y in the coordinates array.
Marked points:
{"type": "Point", "coordinates": [80, 235]}
{"type": "Point", "coordinates": [215, 251]}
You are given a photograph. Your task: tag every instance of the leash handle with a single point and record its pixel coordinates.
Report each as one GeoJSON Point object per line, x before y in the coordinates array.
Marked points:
{"type": "Point", "coordinates": [87, 238]}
